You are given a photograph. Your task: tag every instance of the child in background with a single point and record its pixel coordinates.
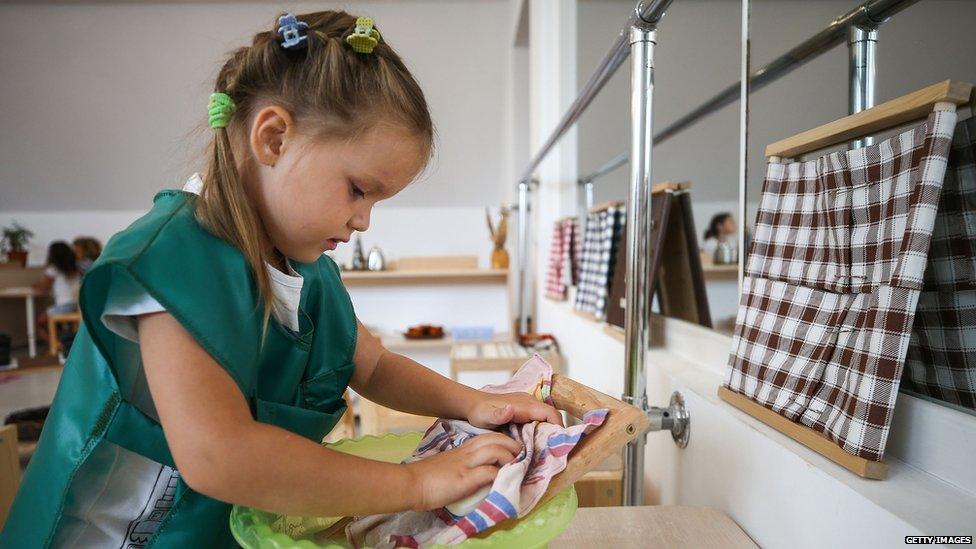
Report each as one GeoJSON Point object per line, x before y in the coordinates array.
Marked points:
{"type": "Point", "coordinates": [87, 250]}
{"type": "Point", "coordinates": [218, 339]}
{"type": "Point", "coordinates": [720, 229]}
{"type": "Point", "coordinates": [61, 280]}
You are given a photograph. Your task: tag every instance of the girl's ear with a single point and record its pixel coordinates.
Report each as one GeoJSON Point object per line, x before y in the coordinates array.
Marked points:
{"type": "Point", "coordinates": [270, 130]}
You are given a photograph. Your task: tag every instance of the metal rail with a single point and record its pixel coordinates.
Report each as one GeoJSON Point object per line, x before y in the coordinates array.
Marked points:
{"type": "Point", "coordinates": [868, 16]}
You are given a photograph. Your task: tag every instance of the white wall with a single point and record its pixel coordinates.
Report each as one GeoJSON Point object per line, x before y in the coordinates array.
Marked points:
{"type": "Point", "coordinates": [108, 106]}
{"type": "Point", "coordinates": [100, 106]}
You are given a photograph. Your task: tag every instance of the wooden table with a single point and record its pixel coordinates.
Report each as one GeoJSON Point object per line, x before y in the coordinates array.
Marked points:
{"type": "Point", "coordinates": [651, 526]}
{"type": "Point", "coordinates": [27, 294]}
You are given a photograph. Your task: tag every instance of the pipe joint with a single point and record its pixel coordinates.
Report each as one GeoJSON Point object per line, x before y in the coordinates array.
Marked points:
{"type": "Point", "coordinates": [674, 418]}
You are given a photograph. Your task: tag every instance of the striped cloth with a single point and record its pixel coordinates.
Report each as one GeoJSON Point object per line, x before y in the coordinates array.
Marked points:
{"type": "Point", "coordinates": [516, 490]}
{"type": "Point", "coordinates": [832, 282]}
{"type": "Point", "coordinates": [941, 360]}
{"type": "Point", "coordinates": [603, 229]}
{"type": "Point", "coordinates": [563, 259]}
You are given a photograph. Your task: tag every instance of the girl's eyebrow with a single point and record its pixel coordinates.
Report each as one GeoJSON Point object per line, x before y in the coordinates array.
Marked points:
{"type": "Point", "coordinates": [374, 182]}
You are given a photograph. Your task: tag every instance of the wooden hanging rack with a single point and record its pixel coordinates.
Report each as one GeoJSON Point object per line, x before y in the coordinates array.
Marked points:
{"type": "Point", "coordinates": [890, 114]}
{"type": "Point", "coordinates": [907, 108]}
{"type": "Point", "coordinates": [670, 186]}
{"type": "Point", "coordinates": [604, 206]}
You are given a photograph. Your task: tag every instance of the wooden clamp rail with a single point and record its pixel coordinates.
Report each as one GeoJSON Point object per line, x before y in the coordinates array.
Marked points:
{"type": "Point", "coordinates": [806, 436]}
{"type": "Point", "coordinates": [623, 424]}
{"type": "Point", "coordinates": [907, 108]}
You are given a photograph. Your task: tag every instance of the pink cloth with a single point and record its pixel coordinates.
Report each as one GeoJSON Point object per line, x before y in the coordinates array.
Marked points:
{"type": "Point", "coordinates": [516, 490]}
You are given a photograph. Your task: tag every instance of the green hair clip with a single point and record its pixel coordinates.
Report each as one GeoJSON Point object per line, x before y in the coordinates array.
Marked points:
{"type": "Point", "coordinates": [364, 37]}
{"type": "Point", "coordinates": [220, 109]}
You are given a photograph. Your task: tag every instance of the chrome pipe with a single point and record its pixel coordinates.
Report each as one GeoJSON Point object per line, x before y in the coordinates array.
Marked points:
{"type": "Point", "coordinates": [610, 166]}
{"type": "Point", "coordinates": [863, 46]}
{"type": "Point", "coordinates": [648, 11]}
{"type": "Point", "coordinates": [521, 253]}
{"type": "Point", "coordinates": [639, 224]}
{"type": "Point", "coordinates": [745, 62]}
{"type": "Point", "coordinates": [872, 13]}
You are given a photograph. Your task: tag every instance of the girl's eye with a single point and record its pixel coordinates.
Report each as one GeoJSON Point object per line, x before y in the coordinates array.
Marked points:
{"type": "Point", "coordinates": [356, 190]}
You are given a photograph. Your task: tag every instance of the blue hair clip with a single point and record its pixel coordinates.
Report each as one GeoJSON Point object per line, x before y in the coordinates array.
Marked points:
{"type": "Point", "coordinates": [292, 32]}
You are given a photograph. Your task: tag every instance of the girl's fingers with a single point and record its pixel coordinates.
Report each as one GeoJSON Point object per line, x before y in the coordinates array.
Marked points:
{"type": "Point", "coordinates": [492, 454]}
{"type": "Point", "coordinates": [482, 476]}
{"type": "Point", "coordinates": [495, 439]}
{"type": "Point", "coordinates": [552, 415]}
{"type": "Point", "coordinates": [503, 415]}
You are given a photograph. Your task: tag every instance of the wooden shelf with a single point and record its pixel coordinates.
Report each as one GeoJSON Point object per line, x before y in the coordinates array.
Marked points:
{"type": "Point", "coordinates": [432, 276]}
{"type": "Point", "coordinates": [720, 272]}
{"type": "Point", "coordinates": [397, 341]}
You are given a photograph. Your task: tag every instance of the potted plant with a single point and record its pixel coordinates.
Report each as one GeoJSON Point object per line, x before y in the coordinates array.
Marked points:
{"type": "Point", "coordinates": [15, 239]}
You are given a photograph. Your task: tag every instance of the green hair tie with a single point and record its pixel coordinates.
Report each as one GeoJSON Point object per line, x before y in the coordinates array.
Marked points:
{"type": "Point", "coordinates": [364, 37]}
{"type": "Point", "coordinates": [220, 109]}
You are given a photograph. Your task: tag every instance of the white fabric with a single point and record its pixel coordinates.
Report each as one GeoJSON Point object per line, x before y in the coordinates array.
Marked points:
{"type": "Point", "coordinates": [64, 290]}
{"type": "Point", "coordinates": [122, 498]}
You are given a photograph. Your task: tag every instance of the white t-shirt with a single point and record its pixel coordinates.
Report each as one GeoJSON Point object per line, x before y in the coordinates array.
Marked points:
{"type": "Point", "coordinates": [65, 288]}
{"type": "Point", "coordinates": [123, 496]}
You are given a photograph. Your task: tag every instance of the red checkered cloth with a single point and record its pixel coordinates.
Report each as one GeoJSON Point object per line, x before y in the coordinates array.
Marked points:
{"type": "Point", "coordinates": [941, 360]}
{"type": "Point", "coordinates": [559, 276]}
{"type": "Point", "coordinates": [832, 281]}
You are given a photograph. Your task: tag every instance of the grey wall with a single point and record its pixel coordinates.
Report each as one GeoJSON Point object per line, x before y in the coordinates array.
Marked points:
{"type": "Point", "coordinates": [99, 100]}
{"type": "Point", "coordinates": [698, 55]}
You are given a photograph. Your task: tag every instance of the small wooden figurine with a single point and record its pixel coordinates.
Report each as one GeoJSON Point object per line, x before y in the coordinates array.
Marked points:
{"type": "Point", "coordinates": [499, 256]}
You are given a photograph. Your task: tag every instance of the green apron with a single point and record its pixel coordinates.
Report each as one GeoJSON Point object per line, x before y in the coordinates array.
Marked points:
{"type": "Point", "coordinates": [294, 380]}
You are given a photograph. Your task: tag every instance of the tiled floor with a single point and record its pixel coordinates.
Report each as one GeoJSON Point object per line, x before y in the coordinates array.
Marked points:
{"type": "Point", "coordinates": [27, 389]}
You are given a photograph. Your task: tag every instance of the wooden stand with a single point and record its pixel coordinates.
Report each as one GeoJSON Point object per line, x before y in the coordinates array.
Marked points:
{"type": "Point", "coordinates": [806, 436]}
{"type": "Point", "coordinates": [676, 266]}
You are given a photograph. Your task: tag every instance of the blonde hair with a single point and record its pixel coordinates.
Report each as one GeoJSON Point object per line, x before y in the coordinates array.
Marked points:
{"type": "Point", "coordinates": [327, 85]}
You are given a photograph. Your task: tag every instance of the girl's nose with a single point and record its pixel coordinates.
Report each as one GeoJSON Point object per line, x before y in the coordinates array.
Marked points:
{"type": "Point", "coordinates": [360, 221]}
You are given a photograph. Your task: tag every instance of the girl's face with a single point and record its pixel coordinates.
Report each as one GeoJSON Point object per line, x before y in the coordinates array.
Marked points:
{"type": "Point", "coordinates": [315, 193]}
{"type": "Point", "coordinates": [728, 226]}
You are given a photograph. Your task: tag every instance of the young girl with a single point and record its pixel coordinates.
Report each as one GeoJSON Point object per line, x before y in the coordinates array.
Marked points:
{"type": "Point", "coordinates": [62, 280]}
{"type": "Point", "coordinates": [217, 338]}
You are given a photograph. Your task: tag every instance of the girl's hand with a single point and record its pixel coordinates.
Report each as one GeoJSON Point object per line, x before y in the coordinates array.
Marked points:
{"type": "Point", "coordinates": [492, 410]}
{"type": "Point", "coordinates": [456, 474]}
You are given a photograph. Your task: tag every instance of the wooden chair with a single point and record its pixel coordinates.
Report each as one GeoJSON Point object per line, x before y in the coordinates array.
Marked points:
{"type": "Point", "coordinates": [346, 428]}
{"type": "Point", "coordinates": [376, 420]}
{"type": "Point", "coordinates": [54, 321]}
{"type": "Point", "coordinates": [9, 469]}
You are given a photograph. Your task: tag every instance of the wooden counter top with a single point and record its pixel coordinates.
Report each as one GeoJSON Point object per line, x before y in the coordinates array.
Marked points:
{"type": "Point", "coordinates": [647, 527]}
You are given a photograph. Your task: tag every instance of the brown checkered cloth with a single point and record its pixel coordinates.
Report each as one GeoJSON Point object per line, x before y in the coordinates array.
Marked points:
{"type": "Point", "coordinates": [941, 361]}
{"type": "Point", "coordinates": [832, 281]}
